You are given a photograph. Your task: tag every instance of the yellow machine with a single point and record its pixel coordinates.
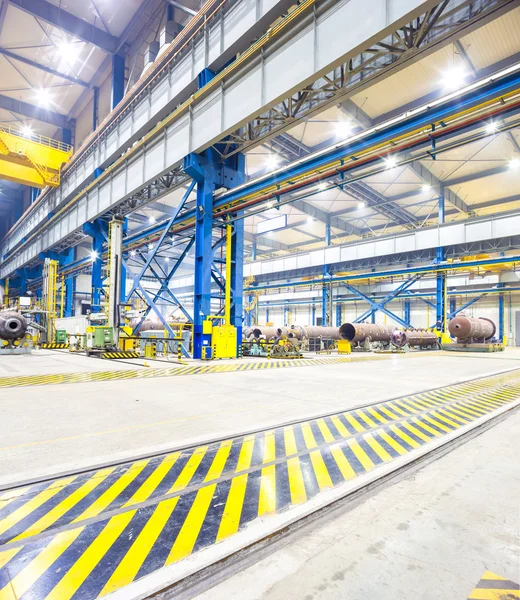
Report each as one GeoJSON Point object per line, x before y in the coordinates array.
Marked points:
{"type": "Point", "coordinates": [224, 341]}
{"type": "Point", "coordinates": [31, 159]}
{"type": "Point", "coordinates": [344, 347]}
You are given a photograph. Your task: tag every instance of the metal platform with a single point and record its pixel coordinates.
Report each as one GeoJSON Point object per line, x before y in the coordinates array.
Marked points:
{"type": "Point", "coordinates": [88, 534]}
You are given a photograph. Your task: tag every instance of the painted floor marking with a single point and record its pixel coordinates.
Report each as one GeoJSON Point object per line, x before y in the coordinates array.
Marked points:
{"type": "Point", "coordinates": [87, 535]}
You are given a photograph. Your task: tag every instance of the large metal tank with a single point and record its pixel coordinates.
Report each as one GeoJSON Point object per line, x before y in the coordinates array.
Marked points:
{"type": "Point", "coordinates": [268, 332]}
{"type": "Point", "coordinates": [414, 337]}
{"type": "Point", "coordinates": [13, 325]}
{"type": "Point", "coordinates": [359, 332]}
{"type": "Point", "coordinates": [466, 329]}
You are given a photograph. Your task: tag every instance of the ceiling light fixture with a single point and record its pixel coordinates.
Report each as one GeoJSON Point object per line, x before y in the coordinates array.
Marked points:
{"type": "Point", "coordinates": [390, 162]}
{"type": "Point", "coordinates": [150, 246]}
{"type": "Point", "coordinates": [343, 129]}
{"type": "Point", "coordinates": [426, 188]}
{"type": "Point", "coordinates": [271, 162]}
{"type": "Point", "coordinates": [43, 97]}
{"type": "Point", "coordinates": [361, 204]}
{"type": "Point", "coordinates": [321, 186]}
{"type": "Point", "coordinates": [27, 131]}
{"type": "Point", "coordinates": [491, 127]}
{"type": "Point", "coordinates": [514, 164]}
{"type": "Point", "coordinates": [454, 78]}
{"type": "Point", "coordinates": [152, 220]}
{"type": "Point", "coordinates": [133, 252]}
{"type": "Point", "coordinates": [270, 204]}
{"type": "Point", "coordinates": [69, 50]}
{"type": "Point", "coordinates": [94, 255]}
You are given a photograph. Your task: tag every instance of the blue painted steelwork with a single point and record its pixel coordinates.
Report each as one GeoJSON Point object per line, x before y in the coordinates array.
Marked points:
{"type": "Point", "coordinates": [380, 305]}
{"type": "Point", "coordinates": [95, 108]}
{"type": "Point", "coordinates": [325, 298]}
{"type": "Point", "coordinates": [267, 314]}
{"type": "Point", "coordinates": [464, 306]}
{"type": "Point", "coordinates": [209, 173]}
{"type": "Point", "coordinates": [66, 136]}
{"type": "Point", "coordinates": [34, 193]}
{"type": "Point", "coordinates": [501, 328]}
{"type": "Point", "coordinates": [237, 278]}
{"type": "Point", "coordinates": [440, 307]}
{"type": "Point", "coordinates": [407, 312]}
{"type": "Point", "coordinates": [286, 310]}
{"type": "Point", "coordinates": [70, 282]}
{"type": "Point", "coordinates": [313, 314]}
{"type": "Point", "coordinates": [339, 315]}
{"type": "Point", "coordinates": [349, 148]}
{"type": "Point", "coordinates": [97, 230]}
{"type": "Point", "coordinates": [118, 80]}
{"type": "Point", "coordinates": [453, 305]}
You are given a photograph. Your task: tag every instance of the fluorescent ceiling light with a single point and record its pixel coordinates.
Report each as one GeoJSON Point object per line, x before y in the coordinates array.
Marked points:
{"type": "Point", "coordinates": [454, 78]}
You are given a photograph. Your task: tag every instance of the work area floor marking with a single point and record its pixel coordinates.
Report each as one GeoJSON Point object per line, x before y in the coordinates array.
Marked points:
{"type": "Point", "coordinates": [495, 587]}
{"type": "Point", "coordinates": [144, 373]}
{"type": "Point", "coordinates": [86, 535]}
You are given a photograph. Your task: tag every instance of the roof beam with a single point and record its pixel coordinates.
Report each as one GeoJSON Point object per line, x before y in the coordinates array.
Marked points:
{"type": "Point", "coordinates": [180, 6]}
{"type": "Point", "coordinates": [261, 240]}
{"type": "Point", "coordinates": [321, 215]}
{"type": "Point", "coordinates": [33, 112]}
{"type": "Point", "coordinates": [351, 109]}
{"type": "Point", "coordinates": [57, 17]}
{"type": "Point", "coordinates": [41, 67]}
{"type": "Point", "coordinates": [429, 178]}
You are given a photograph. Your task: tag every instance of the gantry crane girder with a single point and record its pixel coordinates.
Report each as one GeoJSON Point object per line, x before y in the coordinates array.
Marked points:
{"type": "Point", "coordinates": [31, 159]}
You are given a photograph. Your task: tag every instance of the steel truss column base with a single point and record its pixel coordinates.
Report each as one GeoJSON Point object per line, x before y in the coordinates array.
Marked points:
{"type": "Point", "coordinates": [210, 173]}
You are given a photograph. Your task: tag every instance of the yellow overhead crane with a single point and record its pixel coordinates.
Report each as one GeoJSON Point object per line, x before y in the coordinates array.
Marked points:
{"type": "Point", "coordinates": [31, 159]}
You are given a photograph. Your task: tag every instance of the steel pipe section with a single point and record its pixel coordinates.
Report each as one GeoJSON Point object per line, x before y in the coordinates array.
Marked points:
{"type": "Point", "coordinates": [414, 337]}
{"type": "Point", "coordinates": [267, 332]}
{"type": "Point", "coordinates": [467, 329]}
{"type": "Point", "coordinates": [359, 332]}
{"type": "Point", "coordinates": [13, 325]}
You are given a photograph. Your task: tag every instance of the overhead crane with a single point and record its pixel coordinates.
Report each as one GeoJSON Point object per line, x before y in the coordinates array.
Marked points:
{"type": "Point", "coordinates": [31, 159]}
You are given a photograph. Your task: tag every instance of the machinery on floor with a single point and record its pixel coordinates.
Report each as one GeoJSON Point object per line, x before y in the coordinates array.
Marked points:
{"type": "Point", "coordinates": [415, 338]}
{"type": "Point", "coordinates": [365, 337]}
{"type": "Point", "coordinates": [473, 335]}
{"type": "Point", "coordinates": [14, 338]}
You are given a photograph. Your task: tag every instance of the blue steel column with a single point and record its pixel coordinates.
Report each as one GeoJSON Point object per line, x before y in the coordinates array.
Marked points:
{"type": "Point", "coordinates": [441, 277]}
{"type": "Point", "coordinates": [96, 230]}
{"type": "Point", "coordinates": [237, 278]}
{"type": "Point", "coordinates": [407, 311]}
{"type": "Point", "coordinates": [70, 284]}
{"type": "Point", "coordinates": [453, 305]}
{"type": "Point", "coordinates": [118, 79]}
{"type": "Point", "coordinates": [500, 314]}
{"type": "Point", "coordinates": [209, 173]}
{"type": "Point", "coordinates": [339, 316]}
{"type": "Point", "coordinates": [285, 313]}
{"type": "Point", "coordinates": [267, 314]}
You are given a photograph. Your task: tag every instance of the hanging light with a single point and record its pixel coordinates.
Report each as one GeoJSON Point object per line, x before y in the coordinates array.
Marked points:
{"type": "Point", "coordinates": [390, 162]}
{"type": "Point", "coordinates": [454, 78]}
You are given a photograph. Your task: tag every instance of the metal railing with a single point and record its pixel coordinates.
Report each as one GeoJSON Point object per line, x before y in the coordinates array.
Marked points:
{"type": "Point", "coordinates": [37, 138]}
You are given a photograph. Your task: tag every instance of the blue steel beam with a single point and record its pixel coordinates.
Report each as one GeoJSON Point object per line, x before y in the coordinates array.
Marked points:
{"type": "Point", "coordinates": [380, 306]}
{"type": "Point", "coordinates": [33, 112]}
{"type": "Point", "coordinates": [61, 19]}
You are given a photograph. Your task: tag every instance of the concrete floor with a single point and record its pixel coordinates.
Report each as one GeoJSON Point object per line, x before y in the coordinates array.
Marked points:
{"type": "Point", "coordinates": [45, 430]}
{"type": "Point", "coordinates": [429, 537]}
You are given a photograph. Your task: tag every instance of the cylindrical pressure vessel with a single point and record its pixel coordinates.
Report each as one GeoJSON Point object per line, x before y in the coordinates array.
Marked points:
{"type": "Point", "coordinates": [414, 337]}
{"type": "Point", "coordinates": [359, 332]}
{"type": "Point", "coordinates": [268, 332]}
{"type": "Point", "coordinates": [466, 329]}
{"type": "Point", "coordinates": [12, 325]}
{"type": "Point", "coordinates": [330, 333]}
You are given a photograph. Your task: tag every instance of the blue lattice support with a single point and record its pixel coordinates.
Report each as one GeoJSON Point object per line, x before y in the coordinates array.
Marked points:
{"type": "Point", "coordinates": [407, 311]}
{"type": "Point", "coordinates": [237, 278]}
{"type": "Point", "coordinates": [97, 230]}
{"type": "Point", "coordinates": [339, 315]}
{"type": "Point", "coordinates": [209, 173]}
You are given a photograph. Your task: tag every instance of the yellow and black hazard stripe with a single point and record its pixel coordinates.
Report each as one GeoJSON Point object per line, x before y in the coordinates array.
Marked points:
{"type": "Point", "coordinates": [89, 534]}
{"type": "Point", "coordinates": [121, 354]}
{"type": "Point", "coordinates": [197, 369]}
{"type": "Point", "coordinates": [494, 587]}
{"type": "Point", "coordinates": [52, 346]}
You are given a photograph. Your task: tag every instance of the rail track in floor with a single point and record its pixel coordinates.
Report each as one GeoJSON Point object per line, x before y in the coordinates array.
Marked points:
{"type": "Point", "coordinates": [87, 534]}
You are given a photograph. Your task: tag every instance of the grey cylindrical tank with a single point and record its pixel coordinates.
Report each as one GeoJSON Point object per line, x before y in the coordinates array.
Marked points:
{"type": "Point", "coordinates": [414, 337]}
